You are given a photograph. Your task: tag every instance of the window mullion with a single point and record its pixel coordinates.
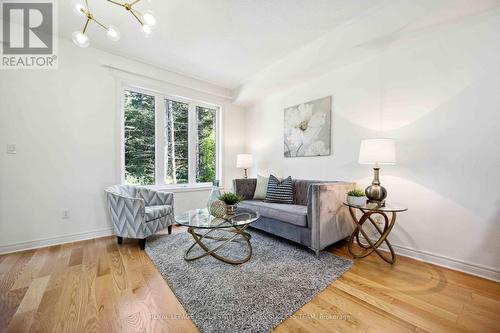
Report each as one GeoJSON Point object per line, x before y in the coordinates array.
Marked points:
{"type": "Point", "coordinates": [192, 141]}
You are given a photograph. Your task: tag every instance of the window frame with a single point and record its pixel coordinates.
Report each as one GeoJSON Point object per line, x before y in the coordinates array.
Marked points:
{"type": "Point", "coordinates": [160, 144]}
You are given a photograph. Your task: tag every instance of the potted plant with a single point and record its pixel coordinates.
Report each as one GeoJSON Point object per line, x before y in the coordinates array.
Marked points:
{"type": "Point", "coordinates": [356, 197]}
{"type": "Point", "coordinates": [230, 199]}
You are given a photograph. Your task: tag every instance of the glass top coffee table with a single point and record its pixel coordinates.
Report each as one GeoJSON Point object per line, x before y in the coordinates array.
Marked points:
{"type": "Point", "coordinates": [221, 231]}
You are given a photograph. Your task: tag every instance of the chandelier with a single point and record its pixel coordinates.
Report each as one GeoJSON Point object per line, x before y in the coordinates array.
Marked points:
{"type": "Point", "coordinates": [146, 19]}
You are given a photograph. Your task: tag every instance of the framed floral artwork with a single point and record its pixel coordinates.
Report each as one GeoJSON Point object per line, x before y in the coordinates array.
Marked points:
{"type": "Point", "coordinates": [308, 128]}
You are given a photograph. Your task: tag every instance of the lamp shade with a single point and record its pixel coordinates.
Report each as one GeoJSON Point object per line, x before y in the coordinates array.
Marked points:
{"type": "Point", "coordinates": [377, 151]}
{"type": "Point", "coordinates": [244, 161]}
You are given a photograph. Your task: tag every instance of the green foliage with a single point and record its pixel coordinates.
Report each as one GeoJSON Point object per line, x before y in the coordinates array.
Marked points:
{"type": "Point", "coordinates": [139, 138]}
{"type": "Point", "coordinates": [356, 193]}
{"type": "Point", "coordinates": [205, 169]}
{"type": "Point", "coordinates": [230, 198]}
{"type": "Point", "coordinates": [139, 110]}
{"type": "Point", "coordinates": [177, 133]}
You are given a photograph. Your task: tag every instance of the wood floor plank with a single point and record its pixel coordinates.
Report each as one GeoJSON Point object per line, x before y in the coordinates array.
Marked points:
{"type": "Point", "coordinates": [21, 322]}
{"type": "Point", "coordinates": [374, 317]}
{"type": "Point", "coordinates": [99, 286]}
{"type": "Point", "coordinates": [76, 257]}
{"type": "Point", "coordinates": [7, 303]}
{"type": "Point", "coordinates": [107, 304]}
{"type": "Point", "coordinates": [32, 269]}
{"type": "Point", "coordinates": [382, 291]}
{"type": "Point", "coordinates": [87, 318]}
{"type": "Point", "coordinates": [70, 301]}
{"type": "Point", "coordinates": [34, 295]}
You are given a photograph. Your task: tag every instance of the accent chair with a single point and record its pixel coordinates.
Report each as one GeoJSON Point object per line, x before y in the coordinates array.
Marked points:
{"type": "Point", "coordinates": [138, 212]}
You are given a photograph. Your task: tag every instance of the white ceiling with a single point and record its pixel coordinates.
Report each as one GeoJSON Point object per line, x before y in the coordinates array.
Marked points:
{"type": "Point", "coordinates": [225, 42]}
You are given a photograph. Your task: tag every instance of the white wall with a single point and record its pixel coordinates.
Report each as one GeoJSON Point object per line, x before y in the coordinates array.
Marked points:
{"type": "Point", "coordinates": [437, 92]}
{"type": "Point", "coordinates": [65, 124]}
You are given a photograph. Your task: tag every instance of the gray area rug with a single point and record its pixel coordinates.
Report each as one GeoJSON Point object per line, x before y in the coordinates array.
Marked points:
{"type": "Point", "coordinates": [256, 296]}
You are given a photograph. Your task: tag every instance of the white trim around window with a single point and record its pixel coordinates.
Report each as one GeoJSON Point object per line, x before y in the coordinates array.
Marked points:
{"type": "Point", "coordinates": [160, 111]}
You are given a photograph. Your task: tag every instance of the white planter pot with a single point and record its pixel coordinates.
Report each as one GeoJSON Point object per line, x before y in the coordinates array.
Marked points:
{"type": "Point", "coordinates": [356, 201]}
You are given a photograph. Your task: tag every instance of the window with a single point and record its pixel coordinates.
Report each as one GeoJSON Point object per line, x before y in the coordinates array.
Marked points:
{"type": "Point", "coordinates": [139, 129]}
{"type": "Point", "coordinates": [206, 152]}
{"type": "Point", "coordinates": [177, 142]}
{"type": "Point", "coordinates": [169, 140]}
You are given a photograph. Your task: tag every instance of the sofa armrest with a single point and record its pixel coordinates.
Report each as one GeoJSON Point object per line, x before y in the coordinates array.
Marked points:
{"type": "Point", "coordinates": [154, 197]}
{"type": "Point", "coordinates": [125, 211]}
{"type": "Point", "coordinates": [329, 218]}
{"type": "Point", "coordinates": [245, 187]}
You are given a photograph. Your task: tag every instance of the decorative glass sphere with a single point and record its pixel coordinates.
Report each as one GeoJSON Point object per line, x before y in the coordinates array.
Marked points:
{"type": "Point", "coordinates": [218, 208]}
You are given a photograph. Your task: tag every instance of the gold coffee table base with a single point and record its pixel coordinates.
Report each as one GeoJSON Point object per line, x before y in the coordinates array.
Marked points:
{"type": "Point", "coordinates": [372, 246]}
{"type": "Point", "coordinates": [235, 233]}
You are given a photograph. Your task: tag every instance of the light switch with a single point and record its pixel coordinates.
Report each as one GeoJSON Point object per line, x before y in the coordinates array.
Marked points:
{"type": "Point", "coordinates": [11, 148]}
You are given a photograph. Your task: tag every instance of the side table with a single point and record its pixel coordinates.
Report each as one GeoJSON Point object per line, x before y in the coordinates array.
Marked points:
{"type": "Point", "coordinates": [368, 211]}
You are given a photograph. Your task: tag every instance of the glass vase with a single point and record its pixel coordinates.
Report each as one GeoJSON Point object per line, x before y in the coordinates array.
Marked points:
{"type": "Point", "coordinates": [214, 194]}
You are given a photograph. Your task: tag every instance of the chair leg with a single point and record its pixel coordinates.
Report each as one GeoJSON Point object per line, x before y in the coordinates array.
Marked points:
{"type": "Point", "coordinates": [119, 239]}
{"type": "Point", "coordinates": [142, 243]}
{"type": "Point", "coordinates": [169, 229]}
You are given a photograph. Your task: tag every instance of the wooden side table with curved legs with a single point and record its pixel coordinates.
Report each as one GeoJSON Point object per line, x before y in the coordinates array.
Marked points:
{"type": "Point", "coordinates": [373, 245]}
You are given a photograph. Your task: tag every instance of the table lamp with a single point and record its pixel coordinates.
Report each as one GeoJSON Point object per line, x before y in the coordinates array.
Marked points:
{"type": "Point", "coordinates": [244, 161]}
{"type": "Point", "coordinates": [377, 152]}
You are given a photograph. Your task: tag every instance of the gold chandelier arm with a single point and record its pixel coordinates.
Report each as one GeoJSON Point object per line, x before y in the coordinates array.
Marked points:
{"type": "Point", "coordinates": [87, 5]}
{"type": "Point", "coordinates": [134, 2]}
{"type": "Point", "coordinates": [86, 25]}
{"type": "Point", "coordinates": [134, 13]}
{"type": "Point", "coordinates": [102, 25]}
{"type": "Point", "coordinates": [116, 3]}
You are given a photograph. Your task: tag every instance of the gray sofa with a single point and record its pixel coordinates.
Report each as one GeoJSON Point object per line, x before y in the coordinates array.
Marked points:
{"type": "Point", "coordinates": [317, 218]}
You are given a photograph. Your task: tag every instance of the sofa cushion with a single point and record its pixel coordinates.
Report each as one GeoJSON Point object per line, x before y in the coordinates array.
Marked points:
{"type": "Point", "coordinates": [293, 214]}
{"type": "Point", "coordinates": [155, 212]}
{"type": "Point", "coordinates": [279, 191]}
{"type": "Point", "coordinates": [261, 188]}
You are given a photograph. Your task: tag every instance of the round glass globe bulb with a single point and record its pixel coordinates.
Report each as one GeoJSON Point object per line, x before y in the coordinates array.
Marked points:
{"type": "Point", "coordinates": [113, 33]}
{"type": "Point", "coordinates": [147, 30]}
{"type": "Point", "coordinates": [149, 18]}
{"type": "Point", "coordinates": [79, 8]}
{"type": "Point", "coordinates": [80, 39]}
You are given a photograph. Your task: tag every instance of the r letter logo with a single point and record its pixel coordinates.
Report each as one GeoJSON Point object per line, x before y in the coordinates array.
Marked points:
{"type": "Point", "coordinates": [28, 34]}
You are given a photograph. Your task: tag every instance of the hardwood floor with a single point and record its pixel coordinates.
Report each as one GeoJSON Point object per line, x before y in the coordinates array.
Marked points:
{"type": "Point", "coordinates": [98, 285]}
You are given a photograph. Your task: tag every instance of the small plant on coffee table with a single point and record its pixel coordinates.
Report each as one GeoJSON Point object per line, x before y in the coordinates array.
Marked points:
{"type": "Point", "coordinates": [230, 198]}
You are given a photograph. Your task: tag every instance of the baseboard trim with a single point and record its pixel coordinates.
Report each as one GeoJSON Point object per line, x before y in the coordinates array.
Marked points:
{"type": "Point", "coordinates": [56, 240]}
{"type": "Point", "coordinates": [482, 271]}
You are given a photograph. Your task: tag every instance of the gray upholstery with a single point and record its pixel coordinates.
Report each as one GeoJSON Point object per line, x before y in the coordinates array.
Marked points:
{"type": "Point", "coordinates": [156, 212]}
{"type": "Point", "coordinates": [293, 214]}
{"type": "Point", "coordinates": [245, 187]}
{"type": "Point", "coordinates": [138, 212]}
{"type": "Point", "coordinates": [320, 218]}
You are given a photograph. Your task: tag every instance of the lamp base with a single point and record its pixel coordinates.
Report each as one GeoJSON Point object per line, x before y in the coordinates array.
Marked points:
{"type": "Point", "coordinates": [376, 193]}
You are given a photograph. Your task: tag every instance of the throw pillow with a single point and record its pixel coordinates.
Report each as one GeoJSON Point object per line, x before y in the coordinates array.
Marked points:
{"type": "Point", "coordinates": [261, 188]}
{"type": "Point", "coordinates": [280, 191]}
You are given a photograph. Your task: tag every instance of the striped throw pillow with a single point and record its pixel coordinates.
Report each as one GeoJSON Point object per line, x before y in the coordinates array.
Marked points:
{"type": "Point", "coordinates": [280, 191]}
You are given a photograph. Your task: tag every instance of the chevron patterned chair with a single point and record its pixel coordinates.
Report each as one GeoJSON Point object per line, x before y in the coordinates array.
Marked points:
{"type": "Point", "coordinates": [138, 212]}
